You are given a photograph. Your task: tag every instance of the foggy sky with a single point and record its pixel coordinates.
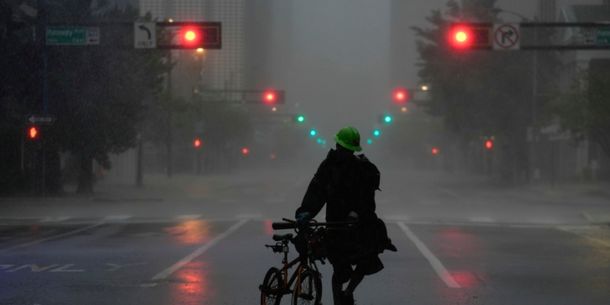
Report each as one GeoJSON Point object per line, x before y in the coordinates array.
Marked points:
{"type": "Point", "coordinates": [339, 69]}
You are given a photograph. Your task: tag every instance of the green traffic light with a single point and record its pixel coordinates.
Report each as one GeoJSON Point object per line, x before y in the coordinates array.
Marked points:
{"type": "Point", "coordinates": [369, 141]}
{"type": "Point", "coordinates": [319, 140]}
{"type": "Point", "coordinates": [313, 132]}
{"type": "Point", "coordinates": [376, 133]}
{"type": "Point", "coordinates": [387, 119]}
{"type": "Point", "coordinates": [300, 118]}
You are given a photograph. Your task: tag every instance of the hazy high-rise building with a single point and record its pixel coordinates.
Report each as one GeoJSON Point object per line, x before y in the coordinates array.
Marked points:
{"type": "Point", "coordinates": [401, 42]}
{"type": "Point", "coordinates": [224, 69]}
{"type": "Point", "coordinates": [547, 10]}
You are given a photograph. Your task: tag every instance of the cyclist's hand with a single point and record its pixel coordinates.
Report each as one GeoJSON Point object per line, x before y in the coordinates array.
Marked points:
{"type": "Point", "coordinates": [303, 218]}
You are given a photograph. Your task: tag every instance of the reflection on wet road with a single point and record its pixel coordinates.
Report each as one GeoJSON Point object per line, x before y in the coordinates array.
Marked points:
{"type": "Point", "coordinates": [205, 261]}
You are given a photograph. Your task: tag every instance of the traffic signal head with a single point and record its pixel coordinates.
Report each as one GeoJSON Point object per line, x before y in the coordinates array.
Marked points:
{"type": "Point", "coordinates": [313, 133]}
{"type": "Point", "coordinates": [435, 151]}
{"type": "Point", "coordinates": [33, 133]}
{"type": "Point", "coordinates": [245, 151]}
{"type": "Point", "coordinates": [186, 35]}
{"type": "Point", "coordinates": [197, 143]}
{"type": "Point", "coordinates": [387, 119]}
{"type": "Point", "coordinates": [191, 37]}
{"type": "Point", "coordinates": [400, 95]}
{"type": "Point", "coordinates": [299, 118]}
{"type": "Point", "coordinates": [376, 133]}
{"type": "Point", "coordinates": [269, 97]}
{"type": "Point", "coordinates": [469, 36]}
{"type": "Point", "coordinates": [489, 144]}
{"type": "Point", "coordinates": [369, 141]}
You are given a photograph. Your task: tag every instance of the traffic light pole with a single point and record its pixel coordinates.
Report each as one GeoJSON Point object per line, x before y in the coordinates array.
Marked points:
{"type": "Point", "coordinates": [41, 41]}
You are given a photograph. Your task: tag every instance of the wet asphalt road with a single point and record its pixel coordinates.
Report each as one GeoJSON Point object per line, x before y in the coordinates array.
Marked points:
{"type": "Point", "coordinates": [457, 245]}
{"type": "Point", "coordinates": [199, 261]}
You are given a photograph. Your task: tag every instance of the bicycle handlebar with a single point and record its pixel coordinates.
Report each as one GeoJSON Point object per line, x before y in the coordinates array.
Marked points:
{"type": "Point", "coordinates": [291, 224]}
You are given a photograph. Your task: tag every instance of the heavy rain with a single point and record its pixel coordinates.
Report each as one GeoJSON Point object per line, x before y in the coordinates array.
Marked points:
{"type": "Point", "coordinates": [304, 152]}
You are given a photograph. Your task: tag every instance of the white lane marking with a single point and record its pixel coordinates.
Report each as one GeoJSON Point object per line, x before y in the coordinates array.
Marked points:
{"type": "Point", "coordinates": [396, 217]}
{"type": "Point", "coordinates": [55, 218]}
{"type": "Point", "coordinates": [117, 217]}
{"type": "Point", "coordinates": [436, 264]}
{"type": "Point", "coordinates": [199, 251]}
{"type": "Point", "coordinates": [249, 216]}
{"type": "Point", "coordinates": [35, 242]}
{"type": "Point", "coordinates": [577, 230]}
{"type": "Point", "coordinates": [188, 217]}
{"type": "Point", "coordinates": [450, 193]}
{"type": "Point", "coordinates": [481, 219]}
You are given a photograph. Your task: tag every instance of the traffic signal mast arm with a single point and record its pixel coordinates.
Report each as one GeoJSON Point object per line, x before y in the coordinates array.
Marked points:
{"type": "Point", "coordinates": [480, 35]}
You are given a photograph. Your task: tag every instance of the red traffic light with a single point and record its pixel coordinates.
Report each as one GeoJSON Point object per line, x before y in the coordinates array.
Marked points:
{"type": "Point", "coordinates": [460, 37]}
{"type": "Point", "coordinates": [435, 151]}
{"type": "Point", "coordinates": [197, 143]}
{"type": "Point", "coordinates": [191, 37]}
{"type": "Point", "coordinates": [269, 97]}
{"type": "Point", "coordinates": [489, 144]}
{"type": "Point", "coordinates": [401, 95]}
{"type": "Point", "coordinates": [33, 133]}
{"type": "Point", "coordinates": [469, 36]}
{"type": "Point", "coordinates": [245, 151]}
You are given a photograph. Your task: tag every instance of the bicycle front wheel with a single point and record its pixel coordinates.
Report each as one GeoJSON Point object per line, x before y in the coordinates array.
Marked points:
{"type": "Point", "coordinates": [307, 289]}
{"type": "Point", "coordinates": [272, 287]}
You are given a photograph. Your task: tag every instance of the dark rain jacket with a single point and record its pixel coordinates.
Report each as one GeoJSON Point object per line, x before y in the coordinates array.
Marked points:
{"type": "Point", "coordinates": [339, 183]}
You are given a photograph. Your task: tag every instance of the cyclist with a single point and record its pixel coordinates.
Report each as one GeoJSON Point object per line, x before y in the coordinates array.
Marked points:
{"type": "Point", "coordinates": [346, 183]}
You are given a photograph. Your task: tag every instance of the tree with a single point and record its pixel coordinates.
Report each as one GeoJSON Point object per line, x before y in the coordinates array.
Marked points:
{"type": "Point", "coordinates": [478, 93]}
{"type": "Point", "coordinates": [584, 110]}
{"type": "Point", "coordinates": [98, 92]}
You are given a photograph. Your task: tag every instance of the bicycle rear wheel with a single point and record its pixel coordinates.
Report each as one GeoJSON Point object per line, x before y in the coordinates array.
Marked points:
{"type": "Point", "coordinates": [307, 289]}
{"type": "Point", "coordinates": [272, 287]}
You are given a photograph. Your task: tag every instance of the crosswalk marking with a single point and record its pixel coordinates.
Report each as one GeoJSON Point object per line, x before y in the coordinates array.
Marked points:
{"type": "Point", "coordinates": [436, 264]}
{"type": "Point", "coordinates": [199, 251]}
{"type": "Point", "coordinates": [53, 237]}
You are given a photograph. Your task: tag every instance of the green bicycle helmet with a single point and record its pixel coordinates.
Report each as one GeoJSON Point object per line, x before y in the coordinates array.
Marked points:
{"type": "Point", "coordinates": [349, 138]}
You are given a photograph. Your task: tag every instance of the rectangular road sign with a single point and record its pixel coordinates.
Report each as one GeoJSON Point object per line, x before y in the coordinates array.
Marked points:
{"type": "Point", "coordinates": [41, 119]}
{"type": "Point", "coordinates": [145, 35]}
{"type": "Point", "coordinates": [72, 36]}
{"type": "Point", "coordinates": [603, 36]}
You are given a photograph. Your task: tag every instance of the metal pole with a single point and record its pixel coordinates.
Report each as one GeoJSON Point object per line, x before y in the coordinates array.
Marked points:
{"type": "Point", "coordinates": [169, 118]}
{"type": "Point", "coordinates": [139, 153]}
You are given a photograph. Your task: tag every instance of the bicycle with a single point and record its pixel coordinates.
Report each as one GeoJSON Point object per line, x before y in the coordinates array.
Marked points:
{"type": "Point", "coordinates": [305, 283]}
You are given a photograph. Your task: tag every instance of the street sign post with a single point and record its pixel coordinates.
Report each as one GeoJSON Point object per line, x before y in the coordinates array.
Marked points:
{"type": "Point", "coordinates": [72, 36]}
{"type": "Point", "coordinates": [145, 35]}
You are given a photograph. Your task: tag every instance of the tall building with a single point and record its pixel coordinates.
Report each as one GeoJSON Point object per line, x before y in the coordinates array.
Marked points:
{"type": "Point", "coordinates": [401, 43]}
{"type": "Point", "coordinates": [547, 10]}
{"type": "Point", "coordinates": [224, 69]}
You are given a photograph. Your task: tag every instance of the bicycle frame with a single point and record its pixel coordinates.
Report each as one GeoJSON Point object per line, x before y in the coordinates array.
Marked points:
{"type": "Point", "coordinates": [303, 263]}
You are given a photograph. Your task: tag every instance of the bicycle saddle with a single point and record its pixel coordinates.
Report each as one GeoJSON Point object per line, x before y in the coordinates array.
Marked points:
{"type": "Point", "coordinates": [278, 237]}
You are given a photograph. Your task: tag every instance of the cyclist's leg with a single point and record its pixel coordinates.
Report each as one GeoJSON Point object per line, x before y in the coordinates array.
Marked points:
{"type": "Point", "coordinates": [341, 274]}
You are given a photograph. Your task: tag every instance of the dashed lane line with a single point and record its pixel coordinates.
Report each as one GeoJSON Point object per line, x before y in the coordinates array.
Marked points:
{"type": "Point", "coordinates": [199, 251]}
{"type": "Point", "coordinates": [577, 230]}
{"type": "Point", "coordinates": [483, 219]}
{"type": "Point", "coordinates": [53, 237]}
{"type": "Point", "coordinates": [436, 264]}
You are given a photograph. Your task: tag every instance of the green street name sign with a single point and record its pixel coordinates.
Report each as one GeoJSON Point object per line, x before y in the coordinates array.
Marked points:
{"type": "Point", "coordinates": [72, 36]}
{"type": "Point", "coordinates": [603, 36]}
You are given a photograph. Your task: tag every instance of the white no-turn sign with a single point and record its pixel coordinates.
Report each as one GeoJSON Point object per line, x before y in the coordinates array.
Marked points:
{"type": "Point", "coordinates": [506, 36]}
{"type": "Point", "coordinates": [145, 36]}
